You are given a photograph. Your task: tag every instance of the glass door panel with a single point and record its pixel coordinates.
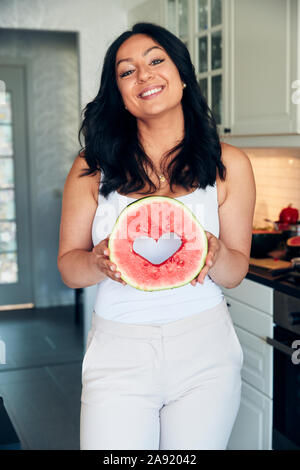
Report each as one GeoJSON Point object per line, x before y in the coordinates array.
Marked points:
{"type": "Point", "coordinates": [216, 97]}
{"type": "Point", "coordinates": [202, 15]}
{"type": "Point", "coordinates": [216, 50]}
{"type": "Point", "coordinates": [216, 12]}
{"type": "Point", "coordinates": [177, 22]}
{"type": "Point", "coordinates": [209, 43]}
{"type": "Point", "coordinates": [6, 173]}
{"type": "Point", "coordinates": [8, 242]}
{"type": "Point", "coordinates": [171, 16]}
{"type": "Point", "coordinates": [183, 17]}
{"type": "Point", "coordinates": [15, 250]}
{"type": "Point", "coordinates": [203, 87]}
{"type": "Point", "coordinates": [203, 54]}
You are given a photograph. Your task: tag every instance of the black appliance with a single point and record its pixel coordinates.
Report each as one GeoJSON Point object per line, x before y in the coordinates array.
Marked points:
{"type": "Point", "coordinates": [286, 362]}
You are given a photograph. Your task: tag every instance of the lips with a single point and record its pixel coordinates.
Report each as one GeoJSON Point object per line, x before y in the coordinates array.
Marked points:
{"type": "Point", "coordinates": [149, 88]}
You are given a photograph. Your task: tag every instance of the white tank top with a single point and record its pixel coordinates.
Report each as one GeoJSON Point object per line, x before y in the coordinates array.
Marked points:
{"type": "Point", "coordinates": [117, 302]}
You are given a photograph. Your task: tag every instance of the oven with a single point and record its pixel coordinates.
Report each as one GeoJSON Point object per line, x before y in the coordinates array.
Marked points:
{"type": "Point", "coordinates": [286, 381]}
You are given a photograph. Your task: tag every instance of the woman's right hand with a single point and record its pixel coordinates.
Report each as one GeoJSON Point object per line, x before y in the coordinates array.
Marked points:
{"type": "Point", "coordinates": [103, 262]}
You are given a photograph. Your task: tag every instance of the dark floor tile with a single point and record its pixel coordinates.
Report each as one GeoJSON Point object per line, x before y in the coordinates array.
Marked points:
{"type": "Point", "coordinates": [46, 415]}
{"type": "Point", "coordinates": [41, 381]}
{"type": "Point", "coordinates": [67, 378]}
{"type": "Point", "coordinates": [39, 337]}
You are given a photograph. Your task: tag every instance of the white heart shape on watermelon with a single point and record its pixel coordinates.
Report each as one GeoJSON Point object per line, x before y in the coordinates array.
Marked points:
{"type": "Point", "coordinates": [157, 251]}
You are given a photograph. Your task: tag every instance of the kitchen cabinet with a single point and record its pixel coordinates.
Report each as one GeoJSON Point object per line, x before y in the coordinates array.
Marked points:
{"type": "Point", "coordinates": [203, 33]}
{"type": "Point", "coordinates": [246, 55]}
{"type": "Point", "coordinates": [252, 429]}
{"type": "Point", "coordinates": [253, 293]}
{"type": "Point", "coordinates": [199, 24]}
{"type": "Point", "coordinates": [258, 362]}
{"type": "Point", "coordinates": [264, 56]}
{"type": "Point", "coordinates": [252, 327]}
{"type": "Point", "coordinates": [251, 308]}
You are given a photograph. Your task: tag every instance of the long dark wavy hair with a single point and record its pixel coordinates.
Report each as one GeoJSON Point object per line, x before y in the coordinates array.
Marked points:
{"type": "Point", "coordinates": [110, 131]}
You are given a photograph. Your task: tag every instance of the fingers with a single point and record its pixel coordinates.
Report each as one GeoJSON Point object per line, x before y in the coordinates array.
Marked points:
{"type": "Point", "coordinates": [202, 274]}
{"type": "Point", "coordinates": [213, 248]}
{"type": "Point", "coordinates": [112, 272]}
{"type": "Point", "coordinates": [108, 267]}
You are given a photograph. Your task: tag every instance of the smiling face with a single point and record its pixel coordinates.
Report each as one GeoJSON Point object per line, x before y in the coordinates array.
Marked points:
{"type": "Point", "coordinates": [147, 78]}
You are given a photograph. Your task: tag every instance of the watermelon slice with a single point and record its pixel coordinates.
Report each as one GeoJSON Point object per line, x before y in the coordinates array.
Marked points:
{"type": "Point", "coordinates": [173, 237]}
{"type": "Point", "coordinates": [294, 241]}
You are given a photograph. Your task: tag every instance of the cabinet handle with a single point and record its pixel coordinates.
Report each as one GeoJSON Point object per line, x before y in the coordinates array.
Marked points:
{"type": "Point", "coordinates": [227, 130]}
{"type": "Point", "coordinates": [280, 346]}
{"type": "Point", "coordinates": [228, 304]}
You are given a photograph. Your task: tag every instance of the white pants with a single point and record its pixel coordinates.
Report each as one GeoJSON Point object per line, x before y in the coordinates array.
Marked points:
{"type": "Point", "coordinates": [170, 386]}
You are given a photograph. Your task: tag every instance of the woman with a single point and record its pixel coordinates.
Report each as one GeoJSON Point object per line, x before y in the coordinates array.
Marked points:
{"type": "Point", "coordinates": [161, 369]}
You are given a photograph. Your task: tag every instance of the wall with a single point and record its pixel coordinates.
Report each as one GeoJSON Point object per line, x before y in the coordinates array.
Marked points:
{"type": "Point", "coordinates": [150, 11]}
{"type": "Point", "coordinates": [97, 22]}
{"type": "Point", "coordinates": [277, 177]}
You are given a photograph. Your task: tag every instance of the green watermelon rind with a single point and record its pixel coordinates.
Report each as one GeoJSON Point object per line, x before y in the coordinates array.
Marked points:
{"type": "Point", "coordinates": [185, 208]}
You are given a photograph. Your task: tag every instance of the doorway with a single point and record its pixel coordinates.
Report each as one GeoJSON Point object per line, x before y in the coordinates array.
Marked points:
{"type": "Point", "coordinates": [15, 249]}
{"type": "Point", "coordinates": [39, 122]}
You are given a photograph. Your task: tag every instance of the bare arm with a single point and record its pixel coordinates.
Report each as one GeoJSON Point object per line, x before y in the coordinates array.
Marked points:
{"type": "Point", "coordinates": [79, 262]}
{"type": "Point", "coordinates": [236, 220]}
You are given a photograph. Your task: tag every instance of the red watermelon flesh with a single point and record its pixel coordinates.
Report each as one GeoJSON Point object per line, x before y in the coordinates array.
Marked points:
{"type": "Point", "coordinates": [294, 241]}
{"type": "Point", "coordinates": [158, 217]}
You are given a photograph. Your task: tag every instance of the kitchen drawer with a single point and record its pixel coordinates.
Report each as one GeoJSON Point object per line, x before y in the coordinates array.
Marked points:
{"type": "Point", "coordinates": [250, 319]}
{"type": "Point", "coordinates": [252, 293]}
{"type": "Point", "coordinates": [258, 362]}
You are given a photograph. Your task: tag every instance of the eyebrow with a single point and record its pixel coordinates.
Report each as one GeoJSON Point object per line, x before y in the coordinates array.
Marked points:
{"type": "Point", "coordinates": [129, 59]}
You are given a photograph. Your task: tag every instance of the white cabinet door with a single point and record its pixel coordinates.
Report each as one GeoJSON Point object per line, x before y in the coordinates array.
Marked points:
{"type": "Point", "coordinates": [252, 327]}
{"type": "Point", "coordinates": [251, 310]}
{"type": "Point", "coordinates": [258, 361]}
{"type": "Point", "coordinates": [264, 53]}
{"type": "Point", "coordinates": [253, 426]}
{"type": "Point", "coordinates": [250, 319]}
{"type": "Point", "coordinates": [252, 293]}
{"type": "Point", "coordinates": [257, 84]}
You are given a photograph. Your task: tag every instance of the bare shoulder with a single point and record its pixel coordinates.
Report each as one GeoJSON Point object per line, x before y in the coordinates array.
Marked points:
{"type": "Point", "coordinates": [238, 169]}
{"type": "Point", "coordinates": [235, 160]}
{"type": "Point", "coordinates": [89, 183]}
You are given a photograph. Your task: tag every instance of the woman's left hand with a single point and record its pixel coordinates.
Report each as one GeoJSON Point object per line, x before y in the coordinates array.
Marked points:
{"type": "Point", "coordinates": [211, 257]}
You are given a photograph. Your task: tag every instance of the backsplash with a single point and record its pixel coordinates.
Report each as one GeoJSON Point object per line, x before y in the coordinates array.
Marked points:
{"type": "Point", "coordinates": [277, 177]}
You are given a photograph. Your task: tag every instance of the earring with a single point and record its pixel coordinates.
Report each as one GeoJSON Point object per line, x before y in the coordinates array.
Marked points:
{"type": "Point", "coordinates": [184, 85]}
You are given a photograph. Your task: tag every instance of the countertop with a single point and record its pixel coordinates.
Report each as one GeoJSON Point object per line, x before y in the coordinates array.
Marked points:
{"type": "Point", "coordinates": [263, 276]}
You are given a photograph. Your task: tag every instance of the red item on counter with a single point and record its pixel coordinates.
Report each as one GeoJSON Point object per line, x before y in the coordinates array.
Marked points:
{"type": "Point", "coordinates": [289, 215]}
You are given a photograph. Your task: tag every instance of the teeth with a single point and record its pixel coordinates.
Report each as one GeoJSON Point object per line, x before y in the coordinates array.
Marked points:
{"type": "Point", "coordinates": [151, 92]}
